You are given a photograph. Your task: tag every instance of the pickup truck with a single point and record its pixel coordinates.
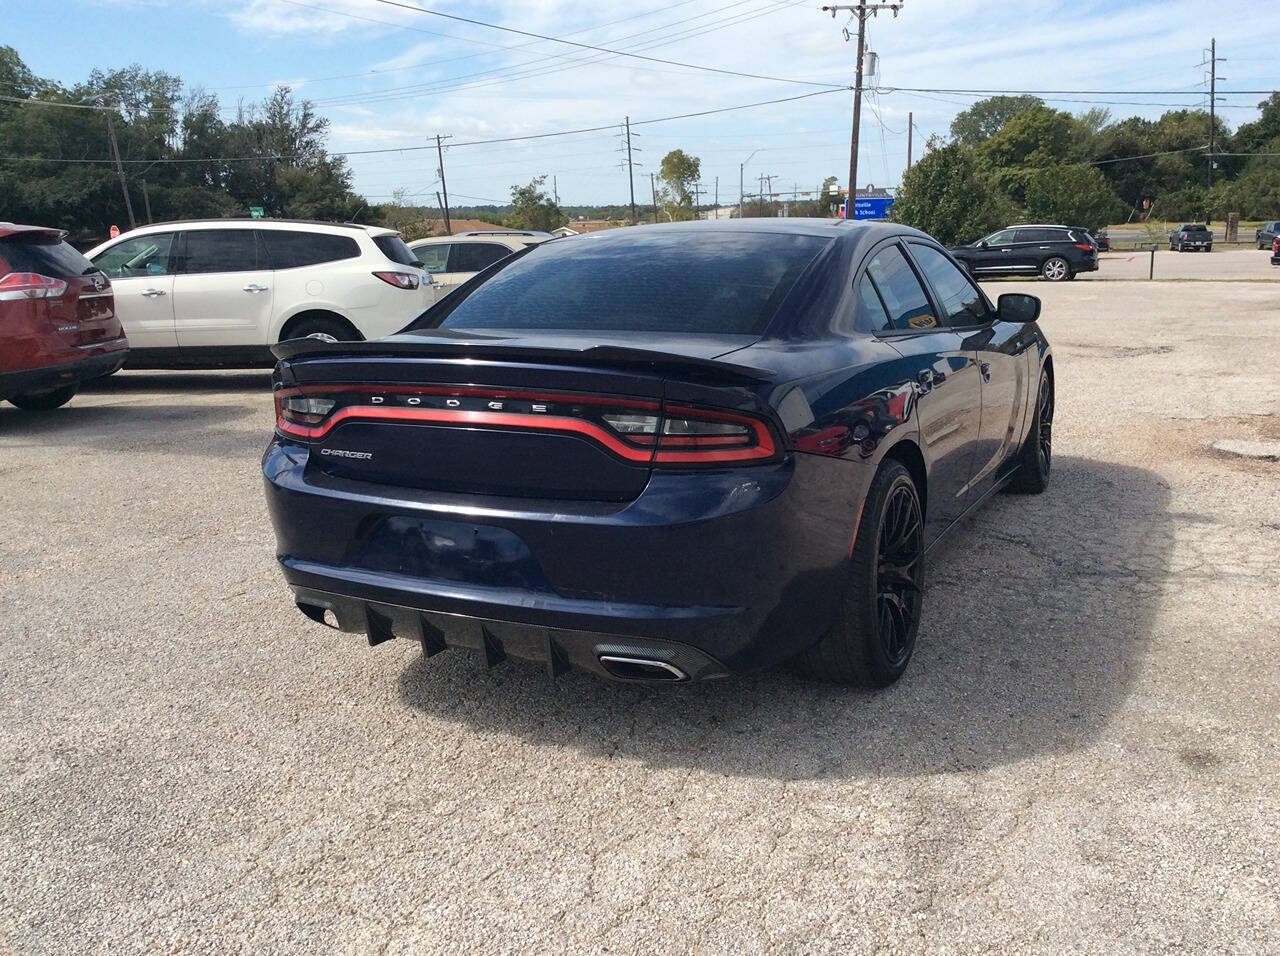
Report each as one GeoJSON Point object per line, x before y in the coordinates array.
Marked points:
{"type": "Point", "coordinates": [1267, 234]}
{"type": "Point", "coordinates": [1193, 235]}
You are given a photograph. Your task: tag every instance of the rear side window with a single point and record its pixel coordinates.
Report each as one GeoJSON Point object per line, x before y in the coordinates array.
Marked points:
{"type": "Point", "coordinates": [901, 291]}
{"type": "Point", "coordinates": [474, 256]}
{"type": "Point", "coordinates": [221, 250]}
{"type": "Point", "coordinates": [289, 250]}
{"type": "Point", "coordinates": [140, 256]}
{"type": "Point", "coordinates": [43, 254]}
{"type": "Point", "coordinates": [877, 319]}
{"type": "Point", "coordinates": [960, 301]}
{"type": "Point", "coordinates": [1042, 235]}
{"type": "Point", "coordinates": [434, 256]}
{"type": "Point", "coordinates": [715, 283]}
{"type": "Point", "coordinates": [393, 248]}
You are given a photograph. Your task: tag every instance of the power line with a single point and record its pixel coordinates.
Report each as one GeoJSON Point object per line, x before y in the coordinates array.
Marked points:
{"type": "Point", "coordinates": [600, 49]}
{"type": "Point", "coordinates": [928, 89]}
{"type": "Point", "coordinates": [477, 142]}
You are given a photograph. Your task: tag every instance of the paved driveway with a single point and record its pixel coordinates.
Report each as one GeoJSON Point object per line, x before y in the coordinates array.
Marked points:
{"type": "Point", "coordinates": [1084, 755]}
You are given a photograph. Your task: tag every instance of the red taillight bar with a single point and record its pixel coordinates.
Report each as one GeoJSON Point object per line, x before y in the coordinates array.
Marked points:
{"type": "Point", "coordinates": [660, 448]}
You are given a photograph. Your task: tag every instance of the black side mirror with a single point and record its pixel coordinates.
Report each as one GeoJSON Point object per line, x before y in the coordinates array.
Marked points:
{"type": "Point", "coordinates": [1018, 307]}
{"type": "Point", "coordinates": [982, 244]}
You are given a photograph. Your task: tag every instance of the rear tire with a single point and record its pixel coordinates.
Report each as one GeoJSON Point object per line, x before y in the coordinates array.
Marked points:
{"type": "Point", "coordinates": [44, 401]}
{"type": "Point", "coordinates": [1036, 457]}
{"type": "Point", "coordinates": [1056, 269]}
{"type": "Point", "coordinates": [874, 636]}
{"type": "Point", "coordinates": [325, 328]}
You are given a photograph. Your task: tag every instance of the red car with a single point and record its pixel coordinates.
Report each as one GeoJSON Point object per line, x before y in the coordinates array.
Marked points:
{"type": "Point", "coordinates": [58, 324]}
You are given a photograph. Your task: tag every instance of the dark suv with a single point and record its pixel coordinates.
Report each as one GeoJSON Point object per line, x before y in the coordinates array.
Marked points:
{"type": "Point", "coordinates": [1268, 234]}
{"type": "Point", "coordinates": [1055, 252]}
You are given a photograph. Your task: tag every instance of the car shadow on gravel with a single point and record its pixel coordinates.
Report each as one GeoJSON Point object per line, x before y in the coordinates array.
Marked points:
{"type": "Point", "coordinates": [1038, 617]}
{"type": "Point", "coordinates": [212, 380]}
{"type": "Point", "coordinates": [205, 430]}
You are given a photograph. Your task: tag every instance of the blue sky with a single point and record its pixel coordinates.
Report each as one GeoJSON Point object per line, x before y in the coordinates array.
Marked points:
{"type": "Point", "coordinates": [395, 83]}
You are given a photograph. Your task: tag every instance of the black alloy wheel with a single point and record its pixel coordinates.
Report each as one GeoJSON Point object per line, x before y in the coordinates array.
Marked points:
{"type": "Point", "coordinates": [874, 635]}
{"type": "Point", "coordinates": [1036, 457]}
{"type": "Point", "coordinates": [897, 575]}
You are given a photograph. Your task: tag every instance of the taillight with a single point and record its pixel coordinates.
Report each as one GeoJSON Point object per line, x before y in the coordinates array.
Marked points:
{"type": "Point", "coordinates": [637, 430]}
{"type": "Point", "coordinates": [1084, 246]}
{"type": "Point", "coordinates": [1275, 246]}
{"type": "Point", "coordinates": [30, 285]}
{"type": "Point", "coordinates": [401, 280]}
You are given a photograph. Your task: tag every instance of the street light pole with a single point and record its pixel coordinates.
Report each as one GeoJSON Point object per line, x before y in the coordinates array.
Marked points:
{"type": "Point", "coordinates": [742, 166]}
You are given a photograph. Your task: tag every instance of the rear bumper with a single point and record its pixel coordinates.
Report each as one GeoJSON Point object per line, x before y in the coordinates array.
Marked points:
{"type": "Point", "coordinates": [713, 571]}
{"type": "Point", "coordinates": [101, 360]}
{"type": "Point", "coordinates": [1275, 260]}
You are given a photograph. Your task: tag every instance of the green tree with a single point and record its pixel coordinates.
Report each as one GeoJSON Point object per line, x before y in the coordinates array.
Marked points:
{"type": "Point", "coordinates": [678, 173]}
{"type": "Point", "coordinates": [987, 117]}
{"type": "Point", "coordinates": [949, 195]}
{"type": "Point", "coordinates": [1036, 137]}
{"type": "Point", "coordinates": [533, 208]}
{"type": "Point", "coordinates": [1076, 195]}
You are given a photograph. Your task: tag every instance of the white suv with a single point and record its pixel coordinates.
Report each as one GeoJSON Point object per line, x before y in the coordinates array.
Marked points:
{"type": "Point", "coordinates": [222, 291]}
{"type": "Point", "coordinates": [452, 260]}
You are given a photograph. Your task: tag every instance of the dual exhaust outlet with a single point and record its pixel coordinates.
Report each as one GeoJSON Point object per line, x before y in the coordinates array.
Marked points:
{"type": "Point", "coordinates": [641, 669]}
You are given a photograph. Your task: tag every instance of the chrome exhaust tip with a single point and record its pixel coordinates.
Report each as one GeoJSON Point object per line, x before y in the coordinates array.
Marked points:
{"type": "Point", "coordinates": [641, 669]}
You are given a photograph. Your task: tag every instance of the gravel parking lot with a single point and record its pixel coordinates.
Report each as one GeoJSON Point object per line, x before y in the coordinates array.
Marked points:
{"type": "Point", "coordinates": [1085, 754]}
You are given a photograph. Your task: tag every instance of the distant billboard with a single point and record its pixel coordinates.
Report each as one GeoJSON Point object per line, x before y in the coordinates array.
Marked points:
{"type": "Point", "coordinates": [872, 208]}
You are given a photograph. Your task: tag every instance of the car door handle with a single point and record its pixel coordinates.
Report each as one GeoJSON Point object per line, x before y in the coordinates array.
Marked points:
{"type": "Point", "coordinates": [254, 287]}
{"type": "Point", "coordinates": [152, 293]}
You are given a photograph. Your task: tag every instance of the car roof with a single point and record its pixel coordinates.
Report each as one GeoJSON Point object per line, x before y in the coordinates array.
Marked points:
{"type": "Point", "coordinates": [782, 226]}
{"type": "Point", "coordinates": [241, 221]}
{"type": "Point", "coordinates": [8, 229]}
{"type": "Point", "coordinates": [511, 240]}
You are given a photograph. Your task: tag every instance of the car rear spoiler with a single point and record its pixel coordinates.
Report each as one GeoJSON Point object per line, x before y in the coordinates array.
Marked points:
{"type": "Point", "coordinates": [613, 356]}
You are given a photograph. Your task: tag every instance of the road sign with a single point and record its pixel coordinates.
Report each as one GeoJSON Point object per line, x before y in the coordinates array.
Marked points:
{"type": "Point", "coordinates": [256, 212]}
{"type": "Point", "coordinates": [114, 232]}
{"type": "Point", "coordinates": [872, 208]}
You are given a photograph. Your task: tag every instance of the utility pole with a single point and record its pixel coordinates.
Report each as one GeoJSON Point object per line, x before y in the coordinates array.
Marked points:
{"type": "Point", "coordinates": [631, 175]}
{"type": "Point", "coordinates": [448, 223]}
{"type": "Point", "coordinates": [555, 192]}
{"type": "Point", "coordinates": [741, 166]}
{"type": "Point", "coordinates": [717, 197]}
{"type": "Point", "coordinates": [909, 125]}
{"type": "Point", "coordinates": [652, 186]}
{"type": "Point", "coordinates": [1212, 62]}
{"type": "Point", "coordinates": [860, 11]}
{"type": "Point", "coordinates": [124, 183]}
{"type": "Point", "coordinates": [146, 200]}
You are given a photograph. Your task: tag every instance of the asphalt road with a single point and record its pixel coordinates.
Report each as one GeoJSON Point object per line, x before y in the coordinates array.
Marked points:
{"type": "Point", "coordinates": [1084, 755]}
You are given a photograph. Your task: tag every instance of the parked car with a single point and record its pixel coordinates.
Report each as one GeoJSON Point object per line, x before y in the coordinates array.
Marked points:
{"type": "Point", "coordinates": [222, 291]}
{"type": "Point", "coordinates": [58, 325]}
{"type": "Point", "coordinates": [1193, 235]}
{"type": "Point", "coordinates": [1103, 242]}
{"type": "Point", "coordinates": [1054, 252]}
{"type": "Point", "coordinates": [1268, 234]}
{"type": "Point", "coordinates": [452, 260]}
{"type": "Point", "coordinates": [1275, 251]}
{"type": "Point", "coordinates": [732, 457]}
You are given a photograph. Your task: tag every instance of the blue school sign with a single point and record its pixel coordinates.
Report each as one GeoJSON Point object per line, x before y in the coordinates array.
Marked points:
{"type": "Point", "coordinates": [872, 208]}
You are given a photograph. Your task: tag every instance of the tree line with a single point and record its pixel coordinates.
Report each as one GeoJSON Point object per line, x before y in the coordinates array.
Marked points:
{"type": "Point", "coordinates": [1014, 159]}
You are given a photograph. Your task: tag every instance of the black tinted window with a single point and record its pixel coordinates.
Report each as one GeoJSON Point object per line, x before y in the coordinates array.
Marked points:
{"type": "Point", "coordinates": [711, 282]}
{"type": "Point", "coordinates": [289, 250]}
{"type": "Point", "coordinates": [877, 319]}
{"type": "Point", "coordinates": [140, 256]}
{"type": "Point", "coordinates": [221, 250]}
{"type": "Point", "coordinates": [901, 291]}
{"type": "Point", "coordinates": [393, 248]}
{"type": "Point", "coordinates": [45, 255]}
{"type": "Point", "coordinates": [959, 299]}
{"type": "Point", "coordinates": [1042, 235]}
{"type": "Point", "coordinates": [474, 256]}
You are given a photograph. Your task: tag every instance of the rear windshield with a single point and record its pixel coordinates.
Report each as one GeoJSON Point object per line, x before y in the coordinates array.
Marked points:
{"type": "Point", "coordinates": [708, 283]}
{"type": "Point", "coordinates": [1195, 227]}
{"type": "Point", "coordinates": [393, 248]}
{"type": "Point", "coordinates": [49, 257]}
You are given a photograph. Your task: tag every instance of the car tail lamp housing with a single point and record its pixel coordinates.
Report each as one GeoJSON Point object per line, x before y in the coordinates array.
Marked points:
{"type": "Point", "coordinates": [1084, 247]}
{"type": "Point", "coordinates": [401, 280]}
{"type": "Point", "coordinates": [636, 430]}
{"type": "Point", "coordinates": [30, 285]}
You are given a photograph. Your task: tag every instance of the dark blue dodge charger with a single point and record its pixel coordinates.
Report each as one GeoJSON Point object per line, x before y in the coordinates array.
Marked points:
{"type": "Point", "coordinates": [662, 453]}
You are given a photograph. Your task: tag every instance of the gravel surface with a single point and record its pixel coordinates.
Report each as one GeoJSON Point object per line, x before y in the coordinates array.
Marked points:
{"type": "Point", "coordinates": [1084, 755]}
